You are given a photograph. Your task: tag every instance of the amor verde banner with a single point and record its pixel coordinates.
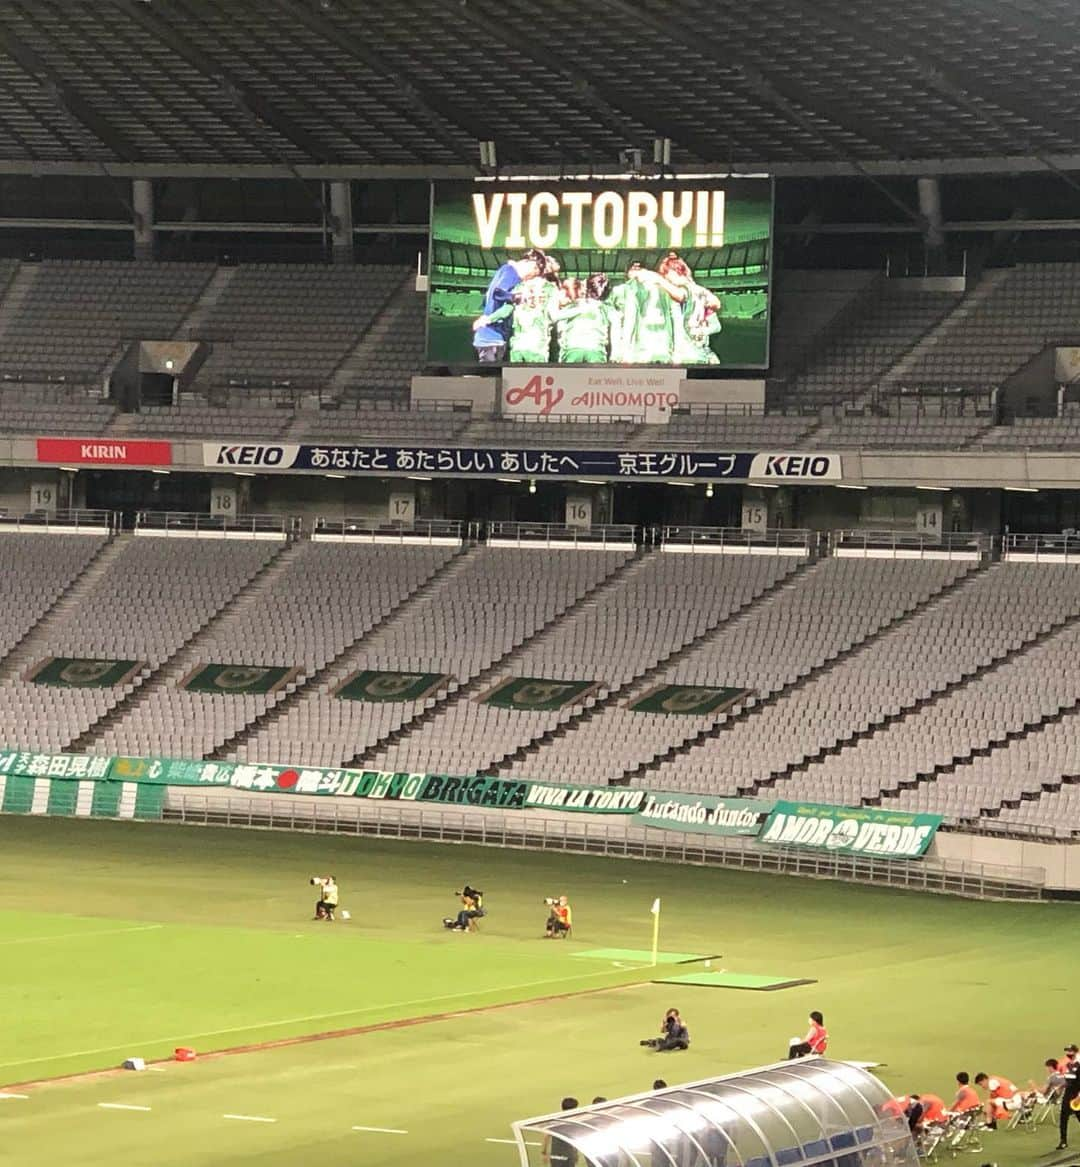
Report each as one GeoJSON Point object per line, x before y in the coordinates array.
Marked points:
{"type": "Point", "coordinates": [868, 830]}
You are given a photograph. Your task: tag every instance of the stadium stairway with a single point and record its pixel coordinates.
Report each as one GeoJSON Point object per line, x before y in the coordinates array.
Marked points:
{"type": "Point", "coordinates": [1012, 656]}
{"type": "Point", "coordinates": [32, 647]}
{"type": "Point", "coordinates": [339, 667]}
{"type": "Point", "coordinates": [943, 331]}
{"type": "Point", "coordinates": [754, 709]}
{"type": "Point", "coordinates": [200, 311]}
{"type": "Point", "coordinates": [645, 678]}
{"type": "Point", "coordinates": [187, 655]}
{"type": "Point", "coordinates": [498, 668]}
{"type": "Point", "coordinates": [383, 327]}
{"type": "Point", "coordinates": [14, 294]}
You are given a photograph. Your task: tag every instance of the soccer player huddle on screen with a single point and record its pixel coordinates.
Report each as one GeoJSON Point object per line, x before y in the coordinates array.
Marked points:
{"type": "Point", "coordinates": [661, 317]}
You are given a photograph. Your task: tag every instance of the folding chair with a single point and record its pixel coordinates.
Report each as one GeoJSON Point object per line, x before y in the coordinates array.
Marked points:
{"type": "Point", "coordinates": [1024, 1114]}
{"type": "Point", "coordinates": [930, 1139]}
{"type": "Point", "coordinates": [1046, 1107]}
{"type": "Point", "coordinates": [963, 1132]}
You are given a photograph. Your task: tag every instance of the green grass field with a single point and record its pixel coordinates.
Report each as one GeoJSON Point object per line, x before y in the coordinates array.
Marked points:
{"type": "Point", "coordinates": [131, 939]}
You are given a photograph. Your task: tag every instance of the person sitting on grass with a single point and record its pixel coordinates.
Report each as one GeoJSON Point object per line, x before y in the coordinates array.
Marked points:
{"type": "Point", "coordinates": [327, 902]}
{"type": "Point", "coordinates": [816, 1040]}
{"type": "Point", "coordinates": [560, 919]}
{"type": "Point", "coordinates": [472, 908]}
{"type": "Point", "coordinates": [673, 1034]}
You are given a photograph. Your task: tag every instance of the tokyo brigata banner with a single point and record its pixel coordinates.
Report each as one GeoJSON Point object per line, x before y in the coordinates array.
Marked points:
{"type": "Point", "coordinates": [483, 462]}
{"type": "Point", "coordinates": [618, 272]}
{"type": "Point", "coordinates": [868, 831]}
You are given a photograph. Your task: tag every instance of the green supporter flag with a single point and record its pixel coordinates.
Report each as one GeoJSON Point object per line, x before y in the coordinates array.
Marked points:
{"type": "Point", "coordinates": [702, 814]}
{"type": "Point", "coordinates": [373, 685]}
{"type": "Point", "coordinates": [536, 694]}
{"type": "Point", "coordinates": [69, 672]}
{"type": "Point", "coordinates": [687, 699]}
{"type": "Point", "coordinates": [867, 830]}
{"type": "Point", "coordinates": [238, 678]}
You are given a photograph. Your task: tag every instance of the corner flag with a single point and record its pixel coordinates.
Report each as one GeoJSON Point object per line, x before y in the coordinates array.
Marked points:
{"type": "Point", "coordinates": [655, 910]}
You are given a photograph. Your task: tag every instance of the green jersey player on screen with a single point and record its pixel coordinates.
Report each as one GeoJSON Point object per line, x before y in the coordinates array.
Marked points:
{"type": "Point", "coordinates": [645, 326]}
{"type": "Point", "coordinates": [583, 324]}
{"type": "Point", "coordinates": [696, 313]}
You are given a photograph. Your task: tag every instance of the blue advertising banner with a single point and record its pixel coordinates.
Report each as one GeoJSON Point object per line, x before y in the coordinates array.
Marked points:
{"type": "Point", "coordinates": [636, 464]}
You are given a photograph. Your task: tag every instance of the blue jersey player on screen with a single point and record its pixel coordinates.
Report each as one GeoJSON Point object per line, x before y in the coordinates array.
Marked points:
{"type": "Point", "coordinates": [491, 329]}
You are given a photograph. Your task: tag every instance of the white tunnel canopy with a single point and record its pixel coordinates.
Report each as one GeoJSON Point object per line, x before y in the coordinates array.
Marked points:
{"type": "Point", "coordinates": [791, 1114]}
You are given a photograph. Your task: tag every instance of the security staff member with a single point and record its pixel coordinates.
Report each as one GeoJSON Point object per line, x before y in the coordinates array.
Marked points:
{"type": "Point", "coordinates": [1070, 1103]}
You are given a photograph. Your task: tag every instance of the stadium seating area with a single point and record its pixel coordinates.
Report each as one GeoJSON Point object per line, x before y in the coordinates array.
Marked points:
{"type": "Point", "coordinates": [928, 684]}
{"type": "Point", "coordinates": [307, 351]}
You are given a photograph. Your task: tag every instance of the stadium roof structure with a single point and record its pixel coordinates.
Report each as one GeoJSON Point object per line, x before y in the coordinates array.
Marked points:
{"type": "Point", "coordinates": [377, 88]}
{"type": "Point", "coordinates": [806, 1112]}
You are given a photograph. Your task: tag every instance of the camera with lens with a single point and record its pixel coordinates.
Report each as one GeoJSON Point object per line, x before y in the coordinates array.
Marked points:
{"type": "Point", "coordinates": [551, 901]}
{"type": "Point", "coordinates": [316, 880]}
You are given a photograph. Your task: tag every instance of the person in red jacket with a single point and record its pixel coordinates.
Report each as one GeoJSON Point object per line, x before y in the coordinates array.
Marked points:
{"type": "Point", "coordinates": [816, 1040]}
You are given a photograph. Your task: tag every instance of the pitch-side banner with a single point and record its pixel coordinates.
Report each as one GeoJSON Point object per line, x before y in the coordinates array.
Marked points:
{"type": "Point", "coordinates": [702, 814]}
{"type": "Point", "coordinates": [445, 789]}
{"type": "Point", "coordinates": [890, 834]}
{"type": "Point", "coordinates": [496, 461]}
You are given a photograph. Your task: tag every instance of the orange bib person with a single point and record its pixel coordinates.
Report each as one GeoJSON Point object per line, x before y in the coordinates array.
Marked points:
{"type": "Point", "coordinates": [1001, 1091]}
{"type": "Point", "coordinates": [966, 1096]}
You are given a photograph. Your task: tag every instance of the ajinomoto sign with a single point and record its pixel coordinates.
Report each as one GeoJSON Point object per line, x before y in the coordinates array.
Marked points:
{"type": "Point", "coordinates": [868, 830]}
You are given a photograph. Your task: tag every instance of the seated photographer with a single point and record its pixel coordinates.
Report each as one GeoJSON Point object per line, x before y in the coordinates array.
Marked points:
{"type": "Point", "coordinates": [560, 918]}
{"type": "Point", "coordinates": [674, 1034]}
{"type": "Point", "coordinates": [326, 904]}
{"type": "Point", "coordinates": [472, 908]}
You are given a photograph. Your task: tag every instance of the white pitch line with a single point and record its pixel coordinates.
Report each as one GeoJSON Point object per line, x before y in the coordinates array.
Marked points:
{"type": "Point", "coordinates": [119, 1106]}
{"type": "Point", "coordinates": [80, 935]}
{"type": "Point", "coordinates": [380, 1130]}
{"type": "Point", "coordinates": [196, 1037]}
{"type": "Point", "coordinates": [512, 1142]}
{"type": "Point", "coordinates": [8, 1094]}
{"type": "Point", "coordinates": [249, 1118]}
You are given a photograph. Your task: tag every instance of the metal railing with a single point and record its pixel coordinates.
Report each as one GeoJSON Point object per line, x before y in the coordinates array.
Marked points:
{"type": "Point", "coordinates": [1047, 548]}
{"type": "Point", "coordinates": [560, 534]}
{"type": "Point", "coordinates": [417, 531]}
{"type": "Point", "coordinates": [567, 418]}
{"type": "Point", "coordinates": [721, 409]}
{"type": "Point", "coordinates": [795, 540]}
{"type": "Point", "coordinates": [604, 835]}
{"type": "Point", "coordinates": [95, 521]}
{"type": "Point", "coordinates": [192, 523]}
{"type": "Point", "coordinates": [911, 543]}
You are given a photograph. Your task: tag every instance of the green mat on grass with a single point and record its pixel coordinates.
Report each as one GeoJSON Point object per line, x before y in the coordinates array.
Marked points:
{"type": "Point", "coordinates": [731, 980]}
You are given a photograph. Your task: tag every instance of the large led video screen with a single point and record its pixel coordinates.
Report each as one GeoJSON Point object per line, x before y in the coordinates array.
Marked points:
{"type": "Point", "coordinates": [608, 273]}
